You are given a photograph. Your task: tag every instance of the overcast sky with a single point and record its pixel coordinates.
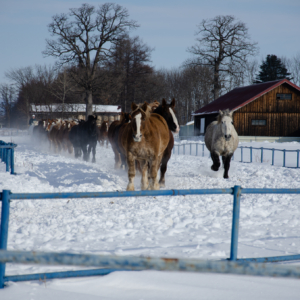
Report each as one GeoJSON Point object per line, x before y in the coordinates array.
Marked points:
{"type": "Point", "coordinates": [167, 26]}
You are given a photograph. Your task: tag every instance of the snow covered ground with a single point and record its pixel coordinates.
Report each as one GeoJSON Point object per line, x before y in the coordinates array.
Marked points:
{"type": "Point", "coordinates": [190, 227]}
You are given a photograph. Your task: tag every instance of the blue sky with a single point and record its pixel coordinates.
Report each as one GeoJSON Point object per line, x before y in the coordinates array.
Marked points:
{"type": "Point", "coordinates": [167, 26]}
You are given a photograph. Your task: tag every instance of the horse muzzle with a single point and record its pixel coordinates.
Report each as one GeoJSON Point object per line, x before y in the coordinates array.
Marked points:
{"type": "Point", "coordinates": [137, 138]}
{"type": "Point", "coordinates": [227, 137]}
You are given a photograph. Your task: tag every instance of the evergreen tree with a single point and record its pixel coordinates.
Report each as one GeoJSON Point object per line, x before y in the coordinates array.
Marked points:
{"type": "Point", "coordinates": [272, 69]}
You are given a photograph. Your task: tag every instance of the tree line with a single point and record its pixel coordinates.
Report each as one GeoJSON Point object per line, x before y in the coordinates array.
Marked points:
{"type": "Point", "coordinates": [98, 62]}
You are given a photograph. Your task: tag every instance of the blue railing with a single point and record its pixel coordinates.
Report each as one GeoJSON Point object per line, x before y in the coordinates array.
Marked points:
{"type": "Point", "coordinates": [133, 262]}
{"type": "Point", "coordinates": [7, 155]}
{"type": "Point", "coordinates": [193, 149]}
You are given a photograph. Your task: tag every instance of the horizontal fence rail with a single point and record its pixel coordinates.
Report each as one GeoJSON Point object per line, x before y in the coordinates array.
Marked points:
{"type": "Point", "coordinates": [7, 155]}
{"type": "Point", "coordinates": [6, 196]}
{"type": "Point", "coordinates": [245, 154]}
{"type": "Point", "coordinates": [128, 263]}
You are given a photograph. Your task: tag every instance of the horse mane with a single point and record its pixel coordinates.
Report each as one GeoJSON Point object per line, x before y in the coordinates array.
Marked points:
{"type": "Point", "coordinates": [224, 113]}
{"type": "Point", "coordinates": [143, 108]}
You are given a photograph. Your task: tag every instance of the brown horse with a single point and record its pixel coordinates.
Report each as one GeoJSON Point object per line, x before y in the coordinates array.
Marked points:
{"type": "Point", "coordinates": [144, 139]}
{"type": "Point", "coordinates": [113, 135]}
{"type": "Point", "coordinates": [102, 134]}
{"type": "Point", "coordinates": [167, 111]}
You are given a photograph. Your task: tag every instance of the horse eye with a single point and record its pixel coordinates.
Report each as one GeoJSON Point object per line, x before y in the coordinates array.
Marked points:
{"type": "Point", "coordinates": [232, 122]}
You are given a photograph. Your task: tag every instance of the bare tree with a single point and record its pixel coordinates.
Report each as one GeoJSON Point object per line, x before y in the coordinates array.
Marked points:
{"type": "Point", "coordinates": [223, 43]}
{"type": "Point", "coordinates": [22, 78]}
{"type": "Point", "coordinates": [7, 96]}
{"type": "Point", "coordinates": [293, 65]}
{"type": "Point", "coordinates": [32, 86]}
{"type": "Point", "coordinates": [84, 38]}
{"type": "Point", "coordinates": [61, 87]}
{"type": "Point", "coordinates": [129, 61]}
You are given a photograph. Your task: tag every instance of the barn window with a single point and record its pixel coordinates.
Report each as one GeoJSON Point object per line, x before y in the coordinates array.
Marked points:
{"type": "Point", "coordinates": [284, 96]}
{"type": "Point", "coordinates": [259, 122]}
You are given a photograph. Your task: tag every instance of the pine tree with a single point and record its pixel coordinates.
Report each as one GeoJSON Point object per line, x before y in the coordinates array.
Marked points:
{"type": "Point", "coordinates": [272, 69]}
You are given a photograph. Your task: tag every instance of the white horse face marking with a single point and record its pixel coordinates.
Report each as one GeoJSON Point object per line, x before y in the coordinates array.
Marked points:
{"type": "Point", "coordinates": [137, 136]}
{"type": "Point", "coordinates": [174, 119]}
{"type": "Point", "coordinates": [227, 127]}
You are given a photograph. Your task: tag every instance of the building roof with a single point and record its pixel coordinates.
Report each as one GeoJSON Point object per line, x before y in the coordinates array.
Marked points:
{"type": "Point", "coordinates": [241, 96]}
{"type": "Point", "coordinates": [78, 108]}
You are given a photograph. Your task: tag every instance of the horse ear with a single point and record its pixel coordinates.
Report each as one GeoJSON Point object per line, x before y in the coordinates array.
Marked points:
{"type": "Point", "coordinates": [221, 113]}
{"type": "Point", "coordinates": [172, 103]}
{"type": "Point", "coordinates": [133, 106]}
{"type": "Point", "coordinates": [163, 102]}
{"type": "Point", "coordinates": [145, 106]}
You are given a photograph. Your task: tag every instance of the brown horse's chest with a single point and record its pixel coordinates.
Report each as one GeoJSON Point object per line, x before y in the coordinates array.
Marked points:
{"type": "Point", "coordinates": [142, 152]}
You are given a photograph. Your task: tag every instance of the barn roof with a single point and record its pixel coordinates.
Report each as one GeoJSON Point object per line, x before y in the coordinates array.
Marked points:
{"type": "Point", "coordinates": [241, 96]}
{"type": "Point", "coordinates": [78, 108]}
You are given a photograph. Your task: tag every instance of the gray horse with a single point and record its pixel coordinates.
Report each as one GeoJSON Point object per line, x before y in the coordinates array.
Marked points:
{"type": "Point", "coordinates": [221, 139]}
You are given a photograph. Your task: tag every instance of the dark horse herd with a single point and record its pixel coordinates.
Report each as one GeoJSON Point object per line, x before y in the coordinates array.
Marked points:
{"type": "Point", "coordinates": [141, 140]}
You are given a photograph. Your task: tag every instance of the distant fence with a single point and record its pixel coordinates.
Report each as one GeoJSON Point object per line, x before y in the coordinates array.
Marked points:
{"type": "Point", "coordinates": [245, 154]}
{"type": "Point", "coordinates": [12, 132]}
{"type": "Point", "coordinates": [7, 155]}
{"type": "Point", "coordinates": [113, 263]}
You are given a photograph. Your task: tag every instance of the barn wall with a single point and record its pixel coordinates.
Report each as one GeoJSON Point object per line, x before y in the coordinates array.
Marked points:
{"type": "Point", "coordinates": [282, 116]}
{"type": "Point", "coordinates": [208, 119]}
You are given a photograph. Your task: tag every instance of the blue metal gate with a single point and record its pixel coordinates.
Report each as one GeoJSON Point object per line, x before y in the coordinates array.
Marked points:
{"type": "Point", "coordinates": [134, 263]}
{"type": "Point", "coordinates": [7, 155]}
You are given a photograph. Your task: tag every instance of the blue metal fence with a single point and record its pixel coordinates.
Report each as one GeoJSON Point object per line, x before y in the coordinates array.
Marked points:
{"type": "Point", "coordinates": [133, 262]}
{"type": "Point", "coordinates": [193, 149]}
{"type": "Point", "coordinates": [7, 155]}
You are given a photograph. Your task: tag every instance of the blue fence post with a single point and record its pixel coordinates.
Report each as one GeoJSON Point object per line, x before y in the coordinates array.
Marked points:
{"type": "Point", "coordinates": [273, 150]}
{"type": "Point", "coordinates": [283, 157]}
{"type": "Point", "coordinates": [298, 158]}
{"type": "Point", "coordinates": [12, 161]}
{"type": "Point", "coordinates": [251, 154]}
{"type": "Point", "coordinates": [262, 155]}
{"type": "Point", "coordinates": [184, 149]}
{"type": "Point", "coordinates": [241, 153]}
{"type": "Point", "coordinates": [7, 159]}
{"type": "Point", "coordinates": [235, 222]}
{"type": "Point", "coordinates": [4, 231]}
{"type": "Point", "coordinates": [190, 149]}
{"type": "Point", "coordinates": [197, 149]}
{"type": "Point", "coordinates": [4, 155]}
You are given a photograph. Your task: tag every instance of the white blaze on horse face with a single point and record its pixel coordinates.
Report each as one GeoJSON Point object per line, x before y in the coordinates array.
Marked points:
{"type": "Point", "coordinates": [227, 127]}
{"type": "Point", "coordinates": [174, 119]}
{"type": "Point", "coordinates": [138, 119]}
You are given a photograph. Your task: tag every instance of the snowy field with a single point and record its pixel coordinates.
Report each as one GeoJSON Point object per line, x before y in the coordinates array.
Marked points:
{"type": "Point", "coordinates": [185, 227]}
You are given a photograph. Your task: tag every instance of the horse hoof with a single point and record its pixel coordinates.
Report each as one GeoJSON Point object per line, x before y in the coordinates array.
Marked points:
{"type": "Point", "coordinates": [214, 168]}
{"type": "Point", "coordinates": [162, 184]}
{"type": "Point", "coordinates": [130, 187]}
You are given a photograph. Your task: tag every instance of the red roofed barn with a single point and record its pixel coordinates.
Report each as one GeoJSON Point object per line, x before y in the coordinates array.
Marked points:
{"type": "Point", "coordinates": [266, 109]}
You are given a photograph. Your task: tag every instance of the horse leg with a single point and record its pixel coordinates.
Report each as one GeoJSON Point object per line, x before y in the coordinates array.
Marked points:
{"type": "Point", "coordinates": [123, 161]}
{"type": "Point", "coordinates": [131, 172]}
{"type": "Point", "coordinates": [84, 150]}
{"type": "Point", "coordinates": [216, 161]}
{"type": "Point", "coordinates": [166, 156]}
{"type": "Point", "coordinates": [153, 174]}
{"type": "Point", "coordinates": [89, 149]}
{"type": "Point", "coordinates": [94, 152]}
{"type": "Point", "coordinates": [163, 167]}
{"type": "Point", "coordinates": [226, 162]}
{"type": "Point", "coordinates": [144, 179]}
